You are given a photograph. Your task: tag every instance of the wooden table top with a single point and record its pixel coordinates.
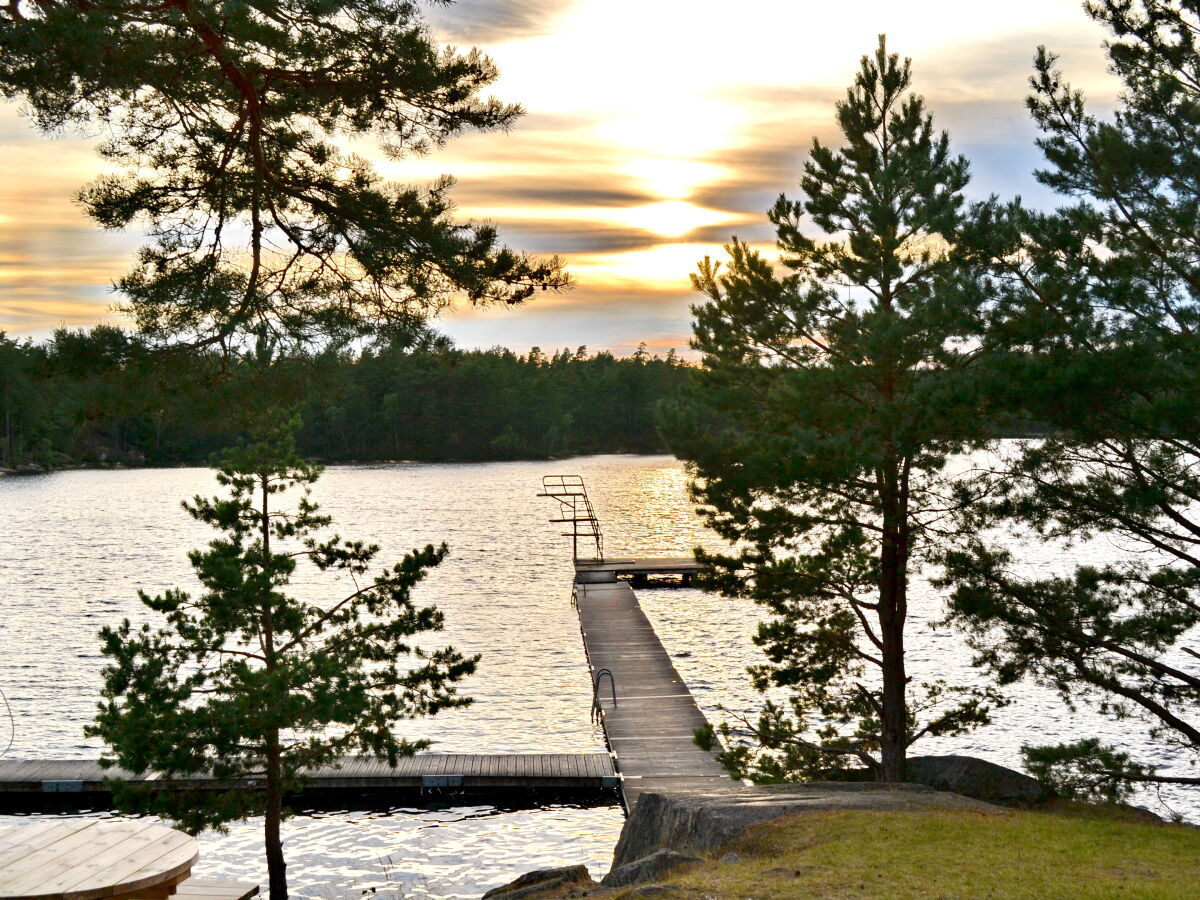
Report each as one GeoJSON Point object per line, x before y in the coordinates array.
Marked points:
{"type": "Point", "coordinates": [92, 859]}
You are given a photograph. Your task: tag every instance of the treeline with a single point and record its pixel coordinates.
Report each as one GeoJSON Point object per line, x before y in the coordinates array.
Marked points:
{"type": "Point", "coordinates": [105, 396]}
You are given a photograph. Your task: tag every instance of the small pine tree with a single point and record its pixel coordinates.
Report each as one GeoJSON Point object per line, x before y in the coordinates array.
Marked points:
{"type": "Point", "coordinates": [248, 683]}
{"type": "Point", "coordinates": [820, 428]}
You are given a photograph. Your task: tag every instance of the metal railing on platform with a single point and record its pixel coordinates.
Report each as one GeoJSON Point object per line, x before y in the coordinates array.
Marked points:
{"type": "Point", "coordinates": [575, 509]}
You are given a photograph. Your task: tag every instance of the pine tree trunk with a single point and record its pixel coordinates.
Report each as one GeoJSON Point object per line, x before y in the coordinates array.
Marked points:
{"type": "Point", "coordinates": [276, 866]}
{"type": "Point", "coordinates": [893, 603]}
{"type": "Point", "coordinates": [8, 442]}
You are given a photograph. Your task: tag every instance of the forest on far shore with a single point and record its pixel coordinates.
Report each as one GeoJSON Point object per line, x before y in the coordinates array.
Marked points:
{"type": "Point", "coordinates": [105, 397]}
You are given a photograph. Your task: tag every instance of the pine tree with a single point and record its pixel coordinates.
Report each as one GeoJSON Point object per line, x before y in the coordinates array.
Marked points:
{"type": "Point", "coordinates": [819, 430]}
{"type": "Point", "coordinates": [234, 123]}
{"type": "Point", "coordinates": [246, 682]}
{"type": "Point", "coordinates": [1095, 337]}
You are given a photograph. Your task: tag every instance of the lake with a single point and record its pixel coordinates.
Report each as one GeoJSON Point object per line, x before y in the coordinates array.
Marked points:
{"type": "Point", "coordinates": [79, 545]}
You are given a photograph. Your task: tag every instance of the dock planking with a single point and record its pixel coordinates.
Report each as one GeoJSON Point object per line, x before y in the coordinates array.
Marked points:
{"type": "Point", "coordinates": [649, 729]}
{"type": "Point", "coordinates": [640, 569]}
{"type": "Point", "coordinates": [470, 772]}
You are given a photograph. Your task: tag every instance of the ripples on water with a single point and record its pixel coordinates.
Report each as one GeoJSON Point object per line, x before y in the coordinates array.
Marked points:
{"type": "Point", "coordinates": [80, 545]}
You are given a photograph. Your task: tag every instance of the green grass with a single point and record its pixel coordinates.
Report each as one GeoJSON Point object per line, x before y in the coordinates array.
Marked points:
{"type": "Point", "coordinates": [1068, 851]}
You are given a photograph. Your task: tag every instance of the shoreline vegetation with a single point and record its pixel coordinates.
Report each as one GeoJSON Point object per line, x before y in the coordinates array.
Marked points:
{"type": "Point", "coordinates": [105, 398]}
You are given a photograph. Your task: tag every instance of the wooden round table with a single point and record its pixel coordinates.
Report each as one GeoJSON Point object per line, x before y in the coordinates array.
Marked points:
{"type": "Point", "coordinates": [93, 859]}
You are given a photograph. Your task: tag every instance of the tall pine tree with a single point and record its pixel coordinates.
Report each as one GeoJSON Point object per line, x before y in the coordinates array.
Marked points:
{"type": "Point", "coordinates": [1096, 335]}
{"type": "Point", "coordinates": [820, 427]}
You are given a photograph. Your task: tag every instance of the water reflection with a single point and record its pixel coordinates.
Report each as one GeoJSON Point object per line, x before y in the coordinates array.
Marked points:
{"type": "Point", "coordinates": [80, 544]}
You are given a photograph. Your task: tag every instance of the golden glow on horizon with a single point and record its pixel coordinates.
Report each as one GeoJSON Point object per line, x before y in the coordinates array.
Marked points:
{"type": "Point", "coordinates": [663, 267]}
{"type": "Point", "coordinates": [673, 218]}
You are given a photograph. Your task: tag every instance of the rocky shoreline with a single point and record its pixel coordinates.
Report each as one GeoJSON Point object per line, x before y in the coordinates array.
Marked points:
{"type": "Point", "coordinates": [667, 831]}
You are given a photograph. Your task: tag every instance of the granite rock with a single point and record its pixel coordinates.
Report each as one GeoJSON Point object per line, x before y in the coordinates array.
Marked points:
{"type": "Point", "coordinates": [978, 778]}
{"type": "Point", "coordinates": [543, 883]}
{"type": "Point", "coordinates": [647, 868]}
{"type": "Point", "coordinates": [696, 823]}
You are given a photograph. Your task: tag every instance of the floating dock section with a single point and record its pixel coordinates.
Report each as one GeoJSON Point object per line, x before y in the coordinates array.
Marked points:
{"type": "Point", "coordinates": [600, 571]}
{"type": "Point", "coordinates": [499, 776]}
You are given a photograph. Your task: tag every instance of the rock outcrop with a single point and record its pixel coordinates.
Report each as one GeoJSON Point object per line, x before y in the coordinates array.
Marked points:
{"type": "Point", "coordinates": [695, 823]}
{"type": "Point", "coordinates": [976, 778]}
{"type": "Point", "coordinates": [648, 868]}
{"type": "Point", "coordinates": [666, 831]}
{"type": "Point", "coordinates": [544, 883]}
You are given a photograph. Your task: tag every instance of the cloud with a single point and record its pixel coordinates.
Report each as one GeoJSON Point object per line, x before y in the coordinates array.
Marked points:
{"type": "Point", "coordinates": [599, 318]}
{"type": "Point", "coordinates": [493, 21]}
{"type": "Point", "coordinates": [559, 189]}
{"type": "Point", "coordinates": [652, 137]}
{"type": "Point", "coordinates": [998, 68]}
{"type": "Point", "coordinates": [571, 237]}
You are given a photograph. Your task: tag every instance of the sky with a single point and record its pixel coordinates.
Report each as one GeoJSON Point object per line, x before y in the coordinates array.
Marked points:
{"type": "Point", "coordinates": [654, 131]}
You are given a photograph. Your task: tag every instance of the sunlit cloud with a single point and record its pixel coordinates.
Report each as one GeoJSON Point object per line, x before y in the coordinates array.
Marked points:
{"type": "Point", "coordinates": [674, 179]}
{"type": "Point", "coordinates": [491, 21]}
{"type": "Point", "coordinates": [654, 132]}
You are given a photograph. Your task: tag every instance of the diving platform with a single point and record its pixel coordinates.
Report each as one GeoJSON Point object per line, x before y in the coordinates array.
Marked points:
{"type": "Point", "coordinates": [648, 714]}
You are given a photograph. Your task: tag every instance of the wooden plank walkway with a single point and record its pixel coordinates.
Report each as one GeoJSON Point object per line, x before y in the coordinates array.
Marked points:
{"type": "Point", "coordinates": [650, 727]}
{"type": "Point", "coordinates": [572, 771]}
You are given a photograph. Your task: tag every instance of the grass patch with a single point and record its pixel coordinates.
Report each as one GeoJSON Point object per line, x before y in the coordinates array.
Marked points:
{"type": "Point", "coordinates": [1067, 851]}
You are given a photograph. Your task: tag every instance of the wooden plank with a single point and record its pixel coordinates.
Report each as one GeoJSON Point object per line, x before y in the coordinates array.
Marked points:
{"type": "Point", "coordinates": [205, 889]}
{"type": "Point", "coordinates": [17, 843]}
{"type": "Point", "coordinates": [139, 864]}
{"type": "Point", "coordinates": [64, 839]}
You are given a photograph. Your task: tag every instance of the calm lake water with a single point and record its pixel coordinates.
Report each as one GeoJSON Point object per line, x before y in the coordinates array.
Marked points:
{"type": "Point", "coordinates": [80, 544]}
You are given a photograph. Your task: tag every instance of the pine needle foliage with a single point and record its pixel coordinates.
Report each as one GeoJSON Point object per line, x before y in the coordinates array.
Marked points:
{"type": "Point", "coordinates": [240, 133]}
{"type": "Point", "coordinates": [1095, 335]}
{"type": "Point", "coordinates": [247, 686]}
{"type": "Point", "coordinates": [819, 432]}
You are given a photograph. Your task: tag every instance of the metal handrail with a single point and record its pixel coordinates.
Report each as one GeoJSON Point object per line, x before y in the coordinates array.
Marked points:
{"type": "Point", "coordinates": [597, 709]}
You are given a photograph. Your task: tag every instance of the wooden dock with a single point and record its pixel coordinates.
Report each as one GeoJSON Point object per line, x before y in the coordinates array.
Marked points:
{"type": "Point", "coordinates": [640, 569]}
{"type": "Point", "coordinates": [649, 728]}
{"type": "Point", "coordinates": [473, 773]}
